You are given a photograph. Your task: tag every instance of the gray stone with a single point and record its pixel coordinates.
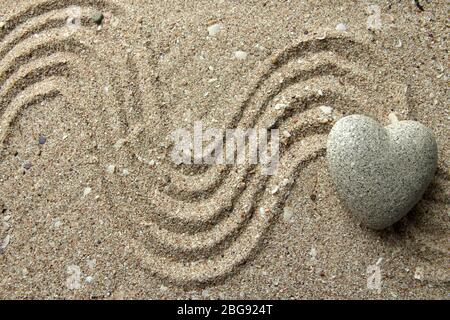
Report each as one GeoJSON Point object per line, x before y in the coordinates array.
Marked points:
{"type": "Point", "coordinates": [42, 140]}
{"type": "Point", "coordinates": [97, 17]}
{"type": "Point", "coordinates": [27, 165]}
{"type": "Point", "coordinates": [380, 173]}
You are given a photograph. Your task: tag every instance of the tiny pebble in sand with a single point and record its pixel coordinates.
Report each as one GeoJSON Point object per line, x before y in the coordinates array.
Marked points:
{"type": "Point", "coordinates": [341, 27]}
{"type": "Point", "coordinates": [87, 191]}
{"type": "Point", "coordinates": [97, 17]}
{"type": "Point", "coordinates": [5, 242]}
{"type": "Point", "coordinates": [42, 140]}
{"type": "Point", "coordinates": [111, 169]}
{"type": "Point", "coordinates": [240, 55]}
{"type": "Point", "coordinates": [214, 29]}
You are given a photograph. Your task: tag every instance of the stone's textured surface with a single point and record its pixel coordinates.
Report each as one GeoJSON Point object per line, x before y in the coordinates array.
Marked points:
{"type": "Point", "coordinates": [380, 173]}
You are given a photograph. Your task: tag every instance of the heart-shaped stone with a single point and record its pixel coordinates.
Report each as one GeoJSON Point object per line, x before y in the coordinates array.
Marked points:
{"type": "Point", "coordinates": [380, 173]}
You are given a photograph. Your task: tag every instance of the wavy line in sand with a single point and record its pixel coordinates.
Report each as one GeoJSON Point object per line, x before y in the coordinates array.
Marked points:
{"type": "Point", "coordinates": [38, 44]}
{"type": "Point", "coordinates": [202, 233]}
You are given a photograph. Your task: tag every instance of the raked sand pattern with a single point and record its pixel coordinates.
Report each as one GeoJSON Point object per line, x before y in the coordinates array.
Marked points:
{"type": "Point", "coordinates": [188, 226]}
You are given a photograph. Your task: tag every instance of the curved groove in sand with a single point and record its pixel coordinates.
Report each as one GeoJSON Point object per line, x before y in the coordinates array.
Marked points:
{"type": "Point", "coordinates": [47, 88]}
{"type": "Point", "coordinates": [211, 244]}
{"type": "Point", "coordinates": [204, 244]}
{"type": "Point", "coordinates": [316, 65]}
{"type": "Point", "coordinates": [193, 217]}
{"type": "Point", "coordinates": [42, 7]}
{"type": "Point", "coordinates": [197, 244]}
{"type": "Point", "coordinates": [240, 250]}
{"type": "Point", "coordinates": [36, 71]}
{"type": "Point", "coordinates": [37, 45]}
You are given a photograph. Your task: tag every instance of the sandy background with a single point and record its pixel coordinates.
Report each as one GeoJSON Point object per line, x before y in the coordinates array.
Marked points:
{"type": "Point", "coordinates": [99, 211]}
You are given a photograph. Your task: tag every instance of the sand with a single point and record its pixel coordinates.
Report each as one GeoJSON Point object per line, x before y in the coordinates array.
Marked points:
{"type": "Point", "coordinates": [100, 211]}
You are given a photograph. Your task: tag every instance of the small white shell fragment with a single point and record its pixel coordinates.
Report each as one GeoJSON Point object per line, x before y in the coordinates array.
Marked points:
{"type": "Point", "coordinates": [313, 253]}
{"type": "Point", "coordinates": [111, 169]}
{"type": "Point", "coordinates": [240, 55]}
{"type": "Point", "coordinates": [280, 106]}
{"type": "Point", "coordinates": [326, 110]}
{"type": "Point", "coordinates": [275, 190]}
{"type": "Point", "coordinates": [163, 288]}
{"type": "Point", "coordinates": [214, 29]}
{"type": "Point", "coordinates": [287, 214]}
{"type": "Point", "coordinates": [374, 19]}
{"type": "Point", "coordinates": [73, 281]}
{"type": "Point", "coordinates": [5, 242]}
{"type": "Point", "coordinates": [418, 274]}
{"type": "Point", "coordinates": [341, 27]}
{"type": "Point", "coordinates": [87, 191]}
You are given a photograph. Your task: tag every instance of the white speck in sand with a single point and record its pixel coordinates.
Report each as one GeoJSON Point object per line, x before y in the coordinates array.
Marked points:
{"type": "Point", "coordinates": [313, 253]}
{"type": "Point", "coordinates": [418, 274]}
{"type": "Point", "coordinates": [91, 263]}
{"type": "Point", "coordinates": [280, 106]}
{"type": "Point", "coordinates": [275, 190]}
{"type": "Point", "coordinates": [5, 226]}
{"type": "Point", "coordinates": [119, 144]}
{"type": "Point", "coordinates": [89, 279]}
{"type": "Point", "coordinates": [240, 55]}
{"type": "Point", "coordinates": [262, 212]}
{"type": "Point", "coordinates": [374, 20]}
{"type": "Point", "coordinates": [7, 218]}
{"type": "Point", "coordinates": [205, 293]}
{"type": "Point", "coordinates": [284, 183]}
{"type": "Point", "coordinates": [87, 191]}
{"type": "Point", "coordinates": [73, 281]}
{"type": "Point", "coordinates": [326, 110]}
{"type": "Point", "coordinates": [148, 162]}
{"type": "Point", "coordinates": [111, 169]}
{"type": "Point", "coordinates": [260, 47]}
{"type": "Point", "coordinates": [125, 172]}
{"type": "Point", "coordinates": [57, 223]}
{"type": "Point", "coordinates": [341, 27]}
{"type": "Point", "coordinates": [214, 29]}
{"type": "Point", "coordinates": [286, 134]}
{"type": "Point", "coordinates": [5, 242]}
{"type": "Point", "coordinates": [287, 214]}
{"type": "Point", "coordinates": [163, 288]}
